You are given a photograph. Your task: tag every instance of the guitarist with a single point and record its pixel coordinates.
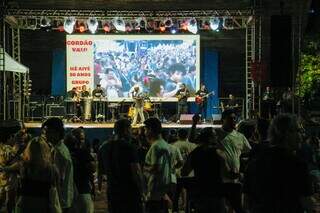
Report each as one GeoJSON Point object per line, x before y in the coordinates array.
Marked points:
{"type": "Point", "coordinates": [182, 95]}
{"type": "Point", "coordinates": [202, 94]}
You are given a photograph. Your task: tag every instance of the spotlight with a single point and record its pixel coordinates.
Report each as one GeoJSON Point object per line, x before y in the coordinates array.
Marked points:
{"type": "Point", "coordinates": [214, 23]}
{"type": "Point", "coordinates": [173, 29]}
{"type": "Point", "coordinates": [168, 22]}
{"type": "Point", "coordinates": [162, 27]}
{"type": "Point", "coordinates": [68, 24]}
{"type": "Point", "coordinates": [82, 27]}
{"type": "Point", "coordinates": [45, 22]}
{"type": "Point", "coordinates": [184, 25]}
{"type": "Point", "coordinates": [141, 23]}
{"type": "Point", "coordinates": [128, 27]}
{"type": "Point", "coordinates": [192, 25]}
{"type": "Point", "coordinates": [206, 25]}
{"type": "Point", "coordinates": [92, 23]}
{"type": "Point", "coordinates": [227, 23]}
{"type": "Point", "coordinates": [150, 25]}
{"type": "Point", "coordinates": [119, 24]}
{"type": "Point", "coordinates": [106, 27]}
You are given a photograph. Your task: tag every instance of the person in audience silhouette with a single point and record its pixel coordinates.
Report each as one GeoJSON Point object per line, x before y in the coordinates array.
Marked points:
{"type": "Point", "coordinates": [278, 180]}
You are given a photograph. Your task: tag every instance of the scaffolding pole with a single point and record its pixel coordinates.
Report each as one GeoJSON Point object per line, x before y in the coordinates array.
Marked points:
{"type": "Point", "coordinates": [17, 98]}
{"type": "Point", "coordinates": [250, 57]}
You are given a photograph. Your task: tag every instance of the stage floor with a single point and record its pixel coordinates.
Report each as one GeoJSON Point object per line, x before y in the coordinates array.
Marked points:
{"type": "Point", "coordinates": [110, 125]}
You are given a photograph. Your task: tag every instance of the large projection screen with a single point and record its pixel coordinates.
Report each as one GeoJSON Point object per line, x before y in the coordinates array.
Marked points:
{"type": "Point", "coordinates": [158, 64]}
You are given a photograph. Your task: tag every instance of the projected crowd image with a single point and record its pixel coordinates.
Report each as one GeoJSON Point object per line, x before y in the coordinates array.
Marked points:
{"type": "Point", "coordinates": [158, 67]}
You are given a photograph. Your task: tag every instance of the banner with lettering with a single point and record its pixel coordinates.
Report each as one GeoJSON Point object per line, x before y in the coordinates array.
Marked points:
{"type": "Point", "coordinates": [158, 64]}
{"type": "Point", "coordinates": [79, 61]}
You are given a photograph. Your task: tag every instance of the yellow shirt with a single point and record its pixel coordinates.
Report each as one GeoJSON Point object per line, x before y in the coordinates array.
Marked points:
{"type": "Point", "coordinates": [7, 181]}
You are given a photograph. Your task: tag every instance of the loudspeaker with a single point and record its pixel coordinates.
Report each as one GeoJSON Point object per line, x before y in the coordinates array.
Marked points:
{"type": "Point", "coordinates": [216, 118]}
{"type": "Point", "coordinates": [281, 51]}
{"type": "Point", "coordinates": [56, 111]}
{"type": "Point", "coordinates": [36, 111]}
{"type": "Point", "coordinates": [186, 118]}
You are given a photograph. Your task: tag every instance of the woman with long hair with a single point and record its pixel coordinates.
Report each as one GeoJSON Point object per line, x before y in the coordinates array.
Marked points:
{"type": "Point", "coordinates": [38, 175]}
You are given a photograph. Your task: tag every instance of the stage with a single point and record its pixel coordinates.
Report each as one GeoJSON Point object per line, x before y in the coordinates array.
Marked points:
{"type": "Point", "coordinates": [103, 131]}
{"type": "Point", "coordinates": [110, 125]}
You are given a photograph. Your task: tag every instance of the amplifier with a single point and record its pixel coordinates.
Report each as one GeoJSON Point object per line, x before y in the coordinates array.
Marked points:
{"type": "Point", "coordinates": [56, 111]}
{"type": "Point", "coordinates": [186, 118]}
{"type": "Point", "coordinates": [36, 111]}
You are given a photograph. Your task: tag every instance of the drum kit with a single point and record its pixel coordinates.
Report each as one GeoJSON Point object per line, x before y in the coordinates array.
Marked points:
{"type": "Point", "coordinates": [149, 109]}
{"type": "Point", "coordinates": [88, 109]}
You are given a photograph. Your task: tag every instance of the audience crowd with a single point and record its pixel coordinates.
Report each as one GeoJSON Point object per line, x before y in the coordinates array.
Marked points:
{"type": "Point", "coordinates": [258, 166]}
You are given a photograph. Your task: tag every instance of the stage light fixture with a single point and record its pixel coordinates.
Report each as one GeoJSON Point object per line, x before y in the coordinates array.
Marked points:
{"type": "Point", "coordinates": [168, 22]}
{"type": "Point", "coordinates": [82, 27]}
{"type": "Point", "coordinates": [206, 25]}
{"type": "Point", "coordinates": [214, 23]}
{"type": "Point", "coordinates": [128, 27]}
{"type": "Point", "coordinates": [227, 23]}
{"type": "Point", "coordinates": [92, 23]}
{"type": "Point", "coordinates": [58, 25]}
{"type": "Point", "coordinates": [45, 22]}
{"type": "Point", "coordinates": [184, 25]}
{"type": "Point", "coordinates": [141, 23]}
{"type": "Point", "coordinates": [192, 25]}
{"type": "Point", "coordinates": [68, 24]}
{"type": "Point", "coordinates": [173, 29]}
{"type": "Point", "coordinates": [106, 27]}
{"type": "Point", "coordinates": [119, 24]}
{"type": "Point", "coordinates": [162, 27]}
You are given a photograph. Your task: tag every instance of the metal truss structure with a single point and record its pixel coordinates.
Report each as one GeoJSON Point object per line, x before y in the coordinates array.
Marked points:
{"type": "Point", "coordinates": [11, 93]}
{"type": "Point", "coordinates": [30, 19]}
{"type": "Point", "coordinates": [102, 14]}
{"type": "Point", "coordinates": [241, 19]}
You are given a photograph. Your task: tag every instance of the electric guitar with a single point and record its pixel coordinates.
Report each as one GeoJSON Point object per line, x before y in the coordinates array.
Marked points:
{"type": "Point", "coordinates": [199, 99]}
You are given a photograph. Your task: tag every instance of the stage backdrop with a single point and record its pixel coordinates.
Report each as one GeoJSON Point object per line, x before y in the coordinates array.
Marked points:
{"type": "Point", "coordinates": [209, 75]}
{"type": "Point", "coordinates": [158, 64]}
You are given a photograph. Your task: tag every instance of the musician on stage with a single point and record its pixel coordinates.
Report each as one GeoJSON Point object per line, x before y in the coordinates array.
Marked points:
{"type": "Point", "coordinates": [182, 95]}
{"type": "Point", "coordinates": [76, 109]}
{"type": "Point", "coordinates": [84, 92]}
{"type": "Point", "coordinates": [98, 106]}
{"type": "Point", "coordinates": [98, 92]}
{"type": "Point", "coordinates": [138, 105]}
{"type": "Point", "coordinates": [232, 102]}
{"type": "Point", "coordinates": [201, 96]}
{"type": "Point", "coordinates": [73, 93]}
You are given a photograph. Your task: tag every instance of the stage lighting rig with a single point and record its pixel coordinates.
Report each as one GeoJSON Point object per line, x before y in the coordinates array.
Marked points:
{"type": "Point", "coordinates": [184, 25]}
{"type": "Point", "coordinates": [81, 27]}
{"type": "Point", "coordinates": [92, 24]}
{"type": "Point", "coordinates": [174, 29]}
{"type": "Point", "coordinates": [119, 24]}
{"type": "Point", "coordinates": [168, 22]}
{"type": "Point", "coordinates": [227, 23]}
{"type": "Point", "coordinates": [192, 25]}
{"type": "Point", "coordinates": [214, 23]}
{"type": "Point", "coordinates": [128, 27]}
{"type": "Point", "coordinates": [106, 27]}
{"type": "Point", "coordinates": [162, 27]}
{"type": "Point", "coordinates": [68, 24]}
{"type": "Point", "coordinates": [45, 22]}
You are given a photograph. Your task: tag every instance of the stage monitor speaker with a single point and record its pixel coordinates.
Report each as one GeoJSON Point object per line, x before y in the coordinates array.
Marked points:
{"type": "Point", "coordinates": [36, 111]}
{"type": "Point", "coordinates": [186, 118]}
{"type": "Point", "coordinates": [281, 51]}
{"type": "Point", "coordinates": [216, 119]}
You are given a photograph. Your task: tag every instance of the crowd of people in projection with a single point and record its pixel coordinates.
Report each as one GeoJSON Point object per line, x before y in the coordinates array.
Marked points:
{"type": "Point", "coordinates": [158, 67]}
